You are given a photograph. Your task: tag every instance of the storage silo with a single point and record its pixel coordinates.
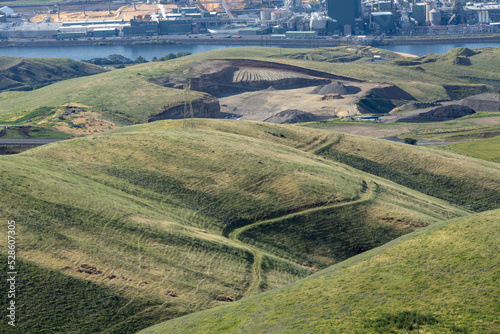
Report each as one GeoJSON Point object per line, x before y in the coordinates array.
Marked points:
{"type": "Point", "coordinates": [435, 17]}
{"type": "Point", "coordinates": [265, 15]}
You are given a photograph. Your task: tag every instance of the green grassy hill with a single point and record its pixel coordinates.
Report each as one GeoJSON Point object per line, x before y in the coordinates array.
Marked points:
{"type": "Point", "coordinates": [157, 221]}
{"type": "Point", "coordinates": [32, 73]}
{"type": "Point", "coordinates": [486, 149]}
{"type": "Point", "coordinates": [441, 279]}
{"type": "Point", "coordinates": [129, 95]}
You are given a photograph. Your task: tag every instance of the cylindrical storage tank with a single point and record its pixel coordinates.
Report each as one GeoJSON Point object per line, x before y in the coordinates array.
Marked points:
{"type": "Point", "coordinates": [429, 7]}
{"type": "Point", "coordinates": [435, 17]}
{"type": "Point", "coordinates": [278, 14]}
{"type": "Point", "coordinates": [418, 13]}
{"type": "Point", "coordinates": [265, 15]}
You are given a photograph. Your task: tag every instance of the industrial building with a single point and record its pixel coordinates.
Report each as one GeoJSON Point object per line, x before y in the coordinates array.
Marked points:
{"type": "Point", "coordinates": [345, 12]}
{"type": "Point", "coordinates": [339, 17]}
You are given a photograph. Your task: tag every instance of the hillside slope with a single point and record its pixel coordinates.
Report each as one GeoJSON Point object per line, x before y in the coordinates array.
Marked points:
{"type": "Point", "coordinates": [32, 73]}
{"type": "Point", "coordinates": [441, 279]}
{"type": "Point", "coordinates": [467, 182]}
{"type": "Point", "coordinates": [130, 95]}
{"type": "Point", "coordinates": [161, 221]}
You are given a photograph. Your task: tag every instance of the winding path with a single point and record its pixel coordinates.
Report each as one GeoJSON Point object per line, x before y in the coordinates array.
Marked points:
{"type": "Point", "coordinates": [258, 254]}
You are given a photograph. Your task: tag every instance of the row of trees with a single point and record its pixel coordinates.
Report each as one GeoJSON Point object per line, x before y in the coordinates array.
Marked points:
{"type": "Point", "coordinates": [116, 59]}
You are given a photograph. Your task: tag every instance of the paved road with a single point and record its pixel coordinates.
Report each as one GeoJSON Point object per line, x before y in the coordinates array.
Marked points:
{"type": "Point", "coordinates": [30, 142]}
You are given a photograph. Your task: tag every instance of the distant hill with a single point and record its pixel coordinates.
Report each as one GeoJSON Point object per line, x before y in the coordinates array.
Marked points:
{"type": "Point", "coordinates": [135, 94]}
{"type": "Point", "coordinates": [31, 73]}
{"type": "Point", "coordinates": [441, 279]}
{"type": "Point", "coordinates": [156, 221]}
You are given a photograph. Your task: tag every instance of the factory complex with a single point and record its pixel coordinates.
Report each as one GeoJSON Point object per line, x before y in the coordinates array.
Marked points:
{"type": "Point", "coordinates": [280, 19]}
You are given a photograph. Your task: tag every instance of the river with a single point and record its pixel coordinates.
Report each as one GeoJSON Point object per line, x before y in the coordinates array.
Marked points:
{"type": "Point", "coordinates": [150, 51]}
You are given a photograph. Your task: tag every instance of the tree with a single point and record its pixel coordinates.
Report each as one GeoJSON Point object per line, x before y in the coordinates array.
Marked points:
{"type": "Point", "coordinates": [411, 141]}
{"type": "Point", "coordinates": [119, 59]}
{"type": "Point", "coordinates": [140, 60]}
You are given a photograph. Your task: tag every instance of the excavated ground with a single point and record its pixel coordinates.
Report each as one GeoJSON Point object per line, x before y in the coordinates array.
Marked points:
{"type": "Point", "coordinates": [262, 91]}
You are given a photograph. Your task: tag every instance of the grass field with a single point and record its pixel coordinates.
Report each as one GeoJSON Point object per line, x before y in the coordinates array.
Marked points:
{"type": "Point", "coordinates": [162, 216]}
{"type": "Point", "coordinates": [129, 95]}
{"type": "Point", "coordinates": [151, 222]}
{"type": "Point", "coordinates": [441, 279]}
{"type": "Point", "coordinates": [32, 73]}
{"type": "Point", "coordinates": [486, 149]}
{"type": "Point", "coordinates": [23, 132]}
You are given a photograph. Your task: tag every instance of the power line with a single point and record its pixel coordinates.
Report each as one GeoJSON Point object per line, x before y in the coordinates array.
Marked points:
{"type": "Point", "coordinates": [188, 102]}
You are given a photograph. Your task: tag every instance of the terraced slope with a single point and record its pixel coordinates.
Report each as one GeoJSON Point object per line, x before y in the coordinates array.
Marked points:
{"type": "Point", "coordinates": [156, 220]}
{"type": "Point", "coordinates": [440, 279]}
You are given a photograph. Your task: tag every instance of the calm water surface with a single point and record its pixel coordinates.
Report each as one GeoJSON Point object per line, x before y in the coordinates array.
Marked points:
{"type": "Point", "coordinates": [150, 51]}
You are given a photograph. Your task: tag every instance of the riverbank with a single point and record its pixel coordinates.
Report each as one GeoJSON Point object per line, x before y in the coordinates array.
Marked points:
{"type": "Point", "coordinates": [439, 39]}
{"type": "Point", "coordinates": [249, 40]}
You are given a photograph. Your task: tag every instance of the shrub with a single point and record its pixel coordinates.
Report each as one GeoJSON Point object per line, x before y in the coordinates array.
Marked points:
{"type": "Point", "coordinates": [411, 141]}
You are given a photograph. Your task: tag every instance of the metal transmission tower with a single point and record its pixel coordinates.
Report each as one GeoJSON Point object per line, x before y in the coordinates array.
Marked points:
{"type": "Point", "coordinates": [188, 102]}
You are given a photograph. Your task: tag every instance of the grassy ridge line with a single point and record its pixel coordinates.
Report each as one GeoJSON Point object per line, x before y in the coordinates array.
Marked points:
{"type": "Point", "coordinates": [110, 202]}
{"type": "Point", "coordinates": [255, 286]}
{"type": "Point", "coordinates": [469, 183]}
{"type": "Point", "coordinates": [444, 274]}
{"type": "Point", "coordinates": [429, 171]}
{"type": "Point", "coordinates": [31, 73]}
{"type": "Point", "coordinates": [146, 206]}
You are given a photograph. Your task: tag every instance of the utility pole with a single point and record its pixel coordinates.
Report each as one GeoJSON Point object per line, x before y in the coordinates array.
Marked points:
{"type": "Point", "coordinates": [188, 103]}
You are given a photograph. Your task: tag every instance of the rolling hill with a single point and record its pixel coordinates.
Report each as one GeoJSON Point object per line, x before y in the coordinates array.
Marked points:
{"type": "Point", "coordinates": [440, 279]}
{"type": "Point", "coordinates": [135, 95]}
{"type": "Point", "coordinates": [156, 221]}
{"type": "Point", "coordinates": [31, 73]}
{"type": "Point", "coordinates": [134, 225]}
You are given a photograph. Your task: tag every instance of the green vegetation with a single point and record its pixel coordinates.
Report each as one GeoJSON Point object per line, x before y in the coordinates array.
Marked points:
{"type": "Point", "coordinates": [486, 149]}
{"type": "Point", "coordinates": [151, 222]}
{"type": "Point", "coordinates": [342, 54]}
{"type": "Point", "coordinates": [14, 149]}
{"type": "Point", "coordinates": [437, 174]}
{"type": "Point", "coordinates": [440, 279]}
{"type": "Point", "coordinates": [131, 94]}
{"type": "Point", "coordinates": [116, 59]}
{"type": "Point", "coordinates": [32, 73]}
{"type": "Point", "coordinates": [88, 305]}
{"type": "Point", "coordinates": [411, 141]}
{"type": "Point", "coordinates": [179, 219]}
{"type": "Point", "coordinates": [24, 132]}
